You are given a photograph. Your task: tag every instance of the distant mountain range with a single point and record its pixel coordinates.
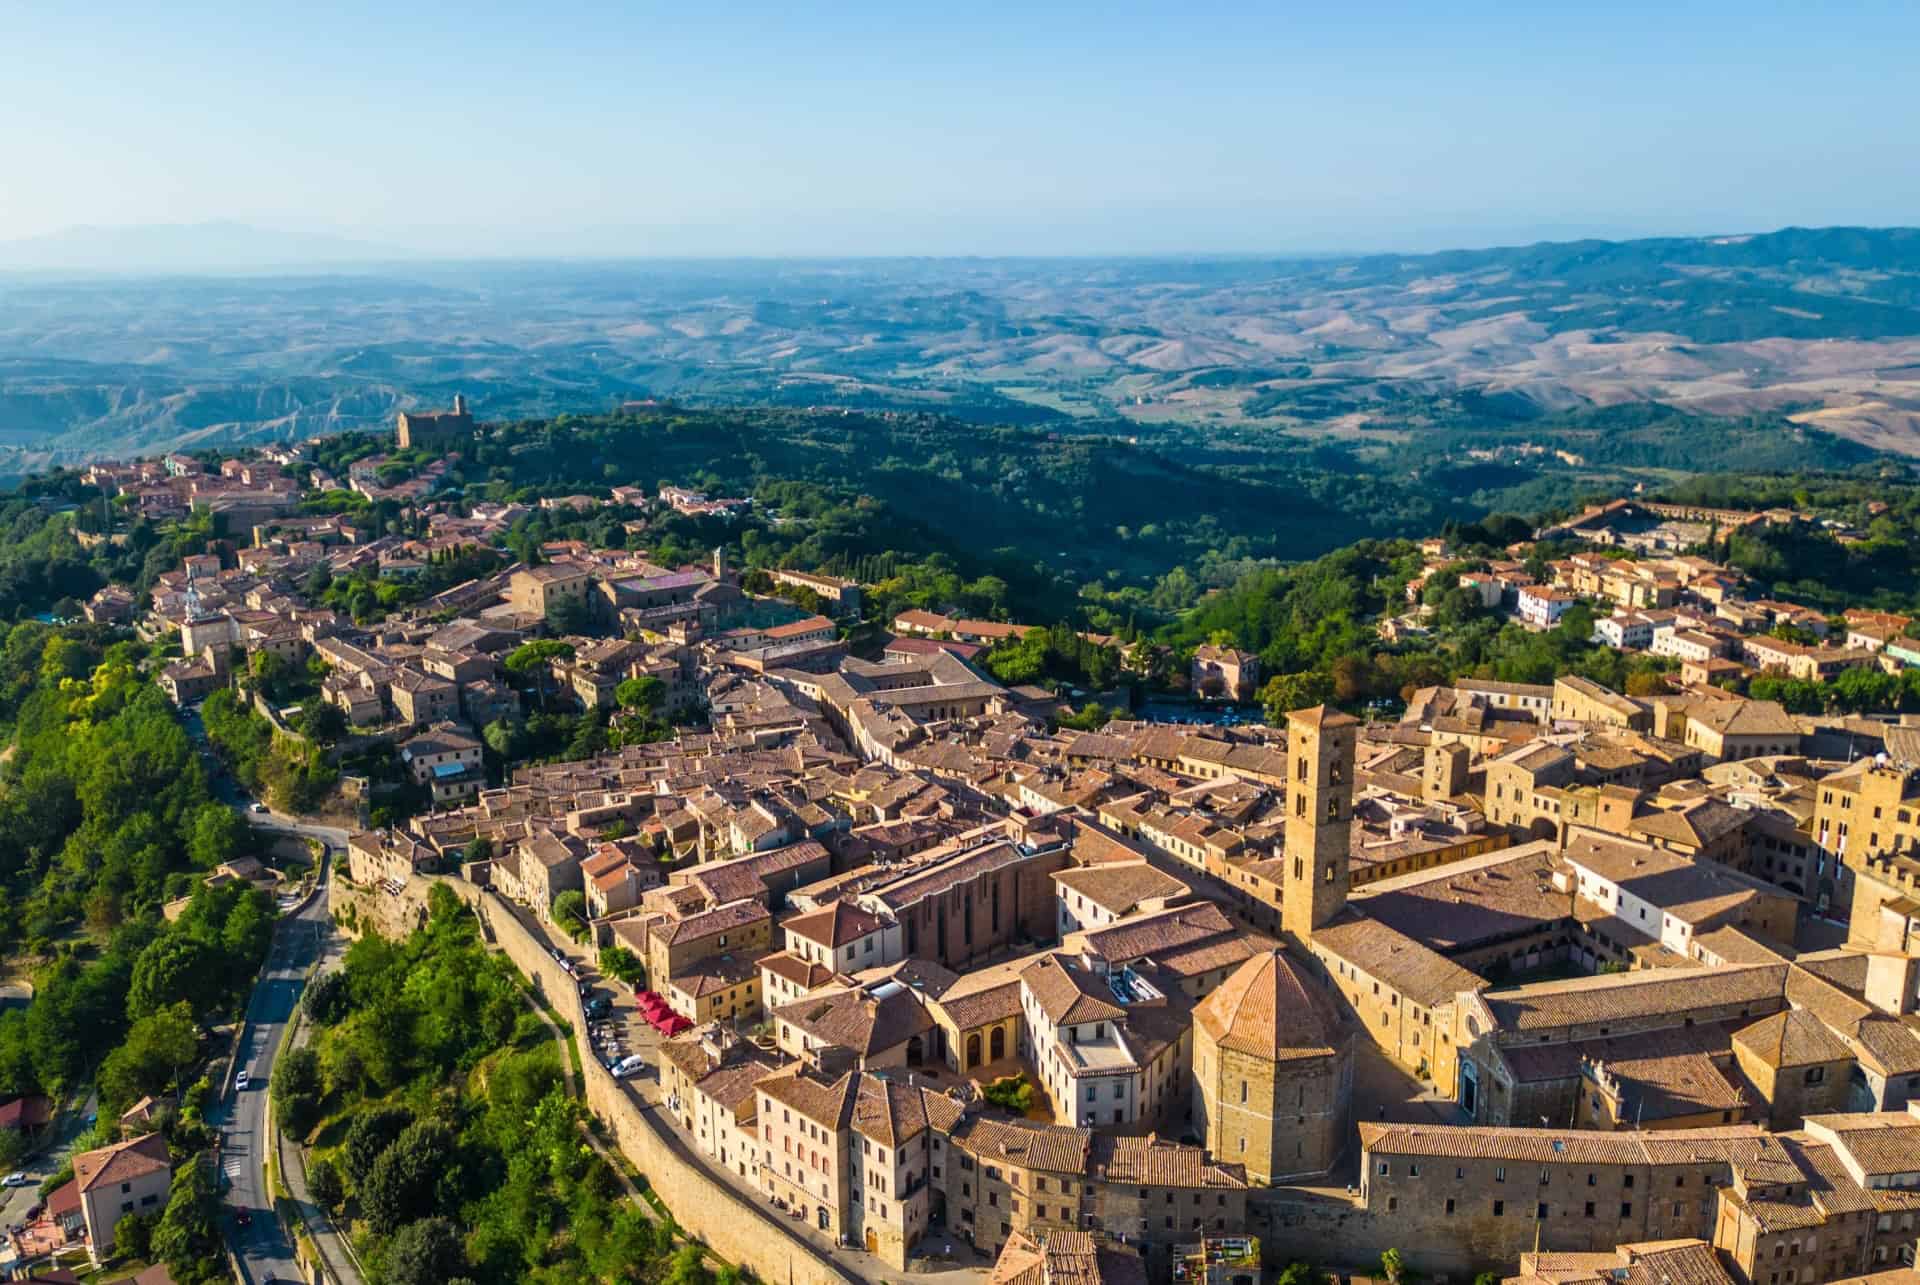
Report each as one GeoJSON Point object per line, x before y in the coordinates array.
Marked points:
{"type": "Point", "coordinates": [185, 248]}
{"type": "Point", "coordinates": [271, 336]}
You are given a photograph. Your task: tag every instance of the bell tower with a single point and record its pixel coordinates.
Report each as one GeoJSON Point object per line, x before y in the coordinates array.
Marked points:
{"type": "Point", "coordinates": [1320, 755]}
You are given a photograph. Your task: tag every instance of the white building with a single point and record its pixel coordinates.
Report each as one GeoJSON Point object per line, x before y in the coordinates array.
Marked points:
{"type": "Point", "coordinates": [1542, 605]}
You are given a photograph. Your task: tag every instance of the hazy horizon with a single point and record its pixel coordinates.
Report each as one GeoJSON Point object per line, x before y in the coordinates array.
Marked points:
{"type": "Point", "coordinates": [96, 249]}
{"type": "Point", "coordinates": [762, 132]}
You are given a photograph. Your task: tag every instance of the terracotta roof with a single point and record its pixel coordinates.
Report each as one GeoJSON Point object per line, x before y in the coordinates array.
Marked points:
{"type": "Point", "coordinates": [1744, 718]}
{"type": "Point", "coordinates": [1267, 1009]}
{"type": "Point", "coordinates": [1068, 994]}
{"type": "Point", "coordinates": [1677, 1262]}
{"type": "Point", "coordinates": [1792, 1038]}
{"type": "Point", "coordinates": [729, 1081]}
{"type": "Point", "coordinates": [1453, 907]}
{"type": "Point", "coordinates": [1549, 1005]}
{"type": "Point", "coordinates": [1888, 1045]}
{"type": "Point", "coordinates": [29, 1112]}
{"type": "Point", "coordinates": [1048, 1147]}
{"type": "Point", "coordinates": [738, 914]}
{"type": "Point", "coordinates": [836, 925]}
{"type": "Point", "coordinates": [1143, 935]}
{"type": "Point", "coordinates": [1155, 1162]}
{"type": "Point", "coordinates": [1422, 975]}
{"type": "Point", "coordinates": [868, 1023]}
{"type": "Point", "coordinates": [122, 1162]}
{"type": "Point", "coordinates": [803, 973]}
{"type": "Point", "coordinates": [1885, 1142]}
{"type": "Point", "coordinates": [980, 1007]}
{"type": "Point", "coordinates": [64, 1199]}
{"type": "Point", "coordinates": [1747, 1143]}
{"type": "Point", "coordinates": [892, 1113]}
{"type": "Point", "coordinates": [1022, 1261]}
{"type": "Point", "coordinates": [1321, 716]}
{"type": "Point", "coordinates": [1117, 887]}
{"type": "Point", "coordinates": [828, 1103]}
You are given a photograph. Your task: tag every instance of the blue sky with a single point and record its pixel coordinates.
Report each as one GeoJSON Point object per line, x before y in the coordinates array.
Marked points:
{"type": "Point", "coordinates": [700, 128]}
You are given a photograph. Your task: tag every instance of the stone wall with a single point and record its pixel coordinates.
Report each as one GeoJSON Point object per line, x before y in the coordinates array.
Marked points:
{"type": "Point", "coordinates": [1334, 1235]}
{"type": "Point", "coordinates": [739, 1230]}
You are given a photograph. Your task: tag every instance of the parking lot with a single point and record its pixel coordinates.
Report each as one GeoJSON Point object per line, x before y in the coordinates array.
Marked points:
{"type": "Point", "coordinates": [620, 1030]}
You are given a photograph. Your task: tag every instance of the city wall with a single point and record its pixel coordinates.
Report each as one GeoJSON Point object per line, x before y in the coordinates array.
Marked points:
{"type": "Point", "coordinates": [739, 1230]}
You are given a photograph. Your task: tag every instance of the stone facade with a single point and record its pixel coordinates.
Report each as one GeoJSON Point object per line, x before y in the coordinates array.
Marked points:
{"type": "Point", "coordinates": [1320, 742]}
{"type": "Point", "coordinates": [1272, 1072]}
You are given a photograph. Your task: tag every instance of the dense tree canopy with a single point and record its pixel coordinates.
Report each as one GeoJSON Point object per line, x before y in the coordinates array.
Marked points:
{"type": "Point", "coordinates": [458, 1148]}
{"type": "Point", "coordinates": [105, 814]}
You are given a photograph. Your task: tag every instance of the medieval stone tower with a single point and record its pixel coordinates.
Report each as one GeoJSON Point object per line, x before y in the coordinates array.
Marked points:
{"type": "Point", "coordinates": [1320, 756]}
{"type": "Point", "coordinates": [1445, 772]}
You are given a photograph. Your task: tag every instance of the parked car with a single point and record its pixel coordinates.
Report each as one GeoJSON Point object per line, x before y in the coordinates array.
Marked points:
{"type": "Point", "coordinates": [240, 1082]}
{"type": "Point", "coordinates": [258, 807]}
{"type": "Point", "coordinates": [15, 1180]}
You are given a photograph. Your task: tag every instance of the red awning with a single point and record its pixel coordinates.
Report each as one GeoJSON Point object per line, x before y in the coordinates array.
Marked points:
{"type": "Point", "coordinates": [675, 1024]}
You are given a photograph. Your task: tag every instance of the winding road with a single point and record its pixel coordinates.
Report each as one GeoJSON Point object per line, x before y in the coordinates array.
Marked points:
{"type": "Point", "coordinates": [263, 1247]}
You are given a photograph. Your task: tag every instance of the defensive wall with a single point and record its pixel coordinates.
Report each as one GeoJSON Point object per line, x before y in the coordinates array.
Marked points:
{"type": "Point", "coordinates": [739, 1230]}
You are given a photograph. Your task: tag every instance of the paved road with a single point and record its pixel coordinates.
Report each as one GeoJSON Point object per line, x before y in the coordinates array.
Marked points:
{"type": "Point", "coordinates": [264, 1249]}
{"type": "Point", "coordinates": [334, 1252]}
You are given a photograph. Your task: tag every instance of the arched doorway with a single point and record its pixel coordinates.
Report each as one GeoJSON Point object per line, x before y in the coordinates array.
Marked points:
{"type": "Point", "coordinates": [973, 1051]}
{"type": "Point", "coordinates": [997, 1043]}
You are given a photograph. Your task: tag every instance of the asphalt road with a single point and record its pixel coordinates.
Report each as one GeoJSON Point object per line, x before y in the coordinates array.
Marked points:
{"type": "Point", "coordinates": [263, 1247]}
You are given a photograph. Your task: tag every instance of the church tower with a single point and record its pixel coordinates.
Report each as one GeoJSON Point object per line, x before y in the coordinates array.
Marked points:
{"type": "Point", "coordinates": [1320, 754]}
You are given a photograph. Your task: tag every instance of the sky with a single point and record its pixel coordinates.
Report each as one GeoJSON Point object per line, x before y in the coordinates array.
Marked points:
{"type": "Point", "coordinates": [591, 129]}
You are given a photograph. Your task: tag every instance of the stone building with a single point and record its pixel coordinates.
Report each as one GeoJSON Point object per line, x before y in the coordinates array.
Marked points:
{"type": "Point", "coordinates": [1799, 1067]}
{"type": "Point", "coordinates": [1320, 742]}
{"type": "Point", "coordinates": [433, 429]}
{"type": "Point", "coordinates": [1225, 673]}
{"type": "Point", "coordinates": [536, 591]}
{"type": "Point", "coordinates": [1272, 1071]}
{"type": "Point", "coordinates": [980, 900]}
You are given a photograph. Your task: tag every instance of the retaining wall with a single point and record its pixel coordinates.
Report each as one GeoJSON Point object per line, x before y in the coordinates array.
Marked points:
{"type": "Point", "coordinates": [737, 1229]}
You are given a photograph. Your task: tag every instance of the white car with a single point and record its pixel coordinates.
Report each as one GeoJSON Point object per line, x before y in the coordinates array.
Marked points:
{"type": "Point", "coordinates": [259, 807]}
{"type": "Point", "coordinates": [15, 1180]}
{"type": "Point", "coordinates": [240, 1082]}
